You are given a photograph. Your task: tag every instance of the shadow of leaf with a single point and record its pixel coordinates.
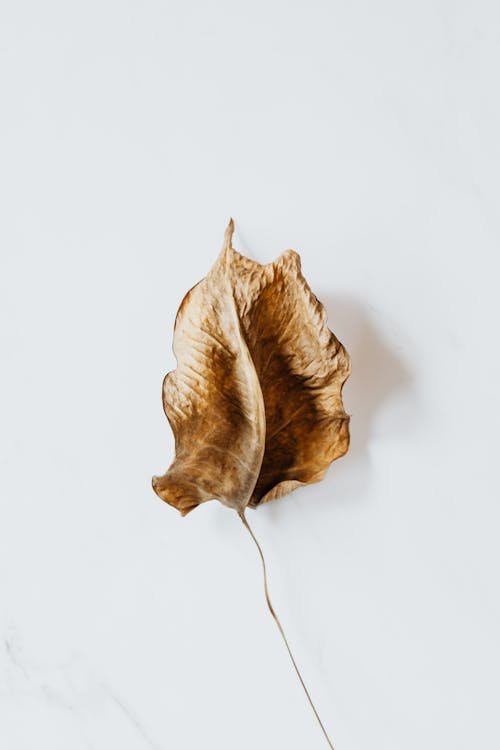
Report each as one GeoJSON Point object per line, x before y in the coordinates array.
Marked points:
{"type": "Point", "coordinates": [378, 375]}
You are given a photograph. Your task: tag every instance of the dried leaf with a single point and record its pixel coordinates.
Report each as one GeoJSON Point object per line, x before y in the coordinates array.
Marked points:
{"type": "Point", "coordinates": [255, 402]}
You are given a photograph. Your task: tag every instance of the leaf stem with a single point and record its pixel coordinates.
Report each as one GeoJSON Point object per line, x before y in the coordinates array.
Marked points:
{"type": "Point", "coordinates": [280, 627]}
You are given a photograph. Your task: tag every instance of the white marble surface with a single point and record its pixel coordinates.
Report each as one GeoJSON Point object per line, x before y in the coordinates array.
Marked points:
{"type": "Point", "coordinates": [366, 136]}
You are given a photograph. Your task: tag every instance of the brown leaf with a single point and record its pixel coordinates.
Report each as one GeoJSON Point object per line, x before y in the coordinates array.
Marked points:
{"type": "Point", "coordinates": [255, 402]}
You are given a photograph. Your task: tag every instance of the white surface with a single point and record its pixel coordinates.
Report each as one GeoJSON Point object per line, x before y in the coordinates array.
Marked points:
{"type": "Point", "coordinates": [366, 136]}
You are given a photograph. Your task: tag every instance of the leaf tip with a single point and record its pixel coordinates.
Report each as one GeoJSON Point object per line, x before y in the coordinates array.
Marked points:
{"type": "Point", "coordinates": [229, 233]}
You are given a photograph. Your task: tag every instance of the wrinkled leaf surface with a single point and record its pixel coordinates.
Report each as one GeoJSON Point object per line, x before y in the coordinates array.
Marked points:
{"type": "Point", "coordinates": [255, 402]}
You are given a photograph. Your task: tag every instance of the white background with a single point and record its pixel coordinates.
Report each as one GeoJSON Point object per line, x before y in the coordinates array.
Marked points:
{"type": "Point", "coordinates": [365, 136]}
